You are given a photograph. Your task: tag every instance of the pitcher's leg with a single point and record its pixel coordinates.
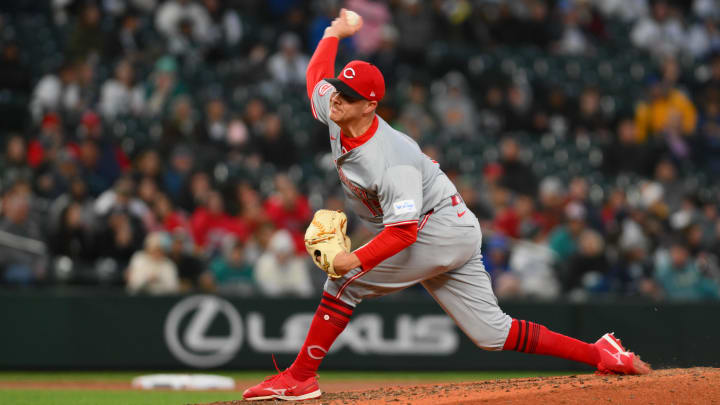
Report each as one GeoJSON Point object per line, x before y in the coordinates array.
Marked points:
{"type": "Point", "coordinates": [466, 296]}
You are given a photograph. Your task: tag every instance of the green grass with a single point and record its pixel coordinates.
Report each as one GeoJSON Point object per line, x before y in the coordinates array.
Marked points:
{"type": "Point", "coordinates": [92, 397]}
{"type": "Point", "coordinates": [117, 397]}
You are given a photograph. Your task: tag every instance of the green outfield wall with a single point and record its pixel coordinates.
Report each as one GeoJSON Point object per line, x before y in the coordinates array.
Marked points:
{"type": "Point", "coordinates": [80, 331]}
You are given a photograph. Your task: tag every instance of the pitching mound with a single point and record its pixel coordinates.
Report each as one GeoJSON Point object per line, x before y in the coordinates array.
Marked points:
{"type": "Point", "coordinates": [676, 386]}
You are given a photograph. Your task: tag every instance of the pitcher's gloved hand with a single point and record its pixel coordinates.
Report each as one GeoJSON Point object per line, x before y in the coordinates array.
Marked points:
{"type": "Point", "coordinates": [325, 238]}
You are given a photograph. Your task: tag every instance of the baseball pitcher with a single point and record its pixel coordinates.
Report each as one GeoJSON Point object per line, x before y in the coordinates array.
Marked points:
{"type": "Point", "coordinates": [424, 234]}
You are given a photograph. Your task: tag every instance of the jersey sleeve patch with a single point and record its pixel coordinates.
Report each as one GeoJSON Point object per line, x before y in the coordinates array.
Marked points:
{"type": "Point", "coordinates": [404, 207]}
{"type": "Point", "coordinates": [324, 89]}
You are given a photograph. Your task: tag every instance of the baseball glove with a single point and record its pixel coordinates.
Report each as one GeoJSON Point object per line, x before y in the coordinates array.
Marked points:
{"type": "Point", "coordinates": [325, 238]}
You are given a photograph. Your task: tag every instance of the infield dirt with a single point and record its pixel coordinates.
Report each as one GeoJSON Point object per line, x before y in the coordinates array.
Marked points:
{"type": "Point", "coordinates": [675, 386]}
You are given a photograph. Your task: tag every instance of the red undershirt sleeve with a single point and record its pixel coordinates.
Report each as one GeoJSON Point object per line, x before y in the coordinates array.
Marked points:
{"type": "Point", "coordinates": [322, 63]}
{"type": "Point", "coordinates": [387, 243]}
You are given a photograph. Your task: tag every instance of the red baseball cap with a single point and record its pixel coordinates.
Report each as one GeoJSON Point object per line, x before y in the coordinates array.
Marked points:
{"type": "Point", "coordinates": [359, 79]}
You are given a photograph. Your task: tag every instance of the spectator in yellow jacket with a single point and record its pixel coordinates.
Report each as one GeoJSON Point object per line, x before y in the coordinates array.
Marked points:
{"type": "Point", "coordinates": [665, 106]}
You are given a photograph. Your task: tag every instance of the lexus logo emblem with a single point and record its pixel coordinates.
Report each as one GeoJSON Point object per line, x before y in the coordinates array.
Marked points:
{"type": "Point", "coordinates": [189, 340]}
{"type": "Point", "coordinates": [349, 73]}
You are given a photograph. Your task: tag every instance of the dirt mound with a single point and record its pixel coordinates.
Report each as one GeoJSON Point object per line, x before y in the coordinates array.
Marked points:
{"type": "Point", "coordinates": [676, 386]}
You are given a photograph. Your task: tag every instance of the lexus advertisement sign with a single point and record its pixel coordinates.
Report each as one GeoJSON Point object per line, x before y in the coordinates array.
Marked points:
{"type": "Point", "coordinates": [86, 331]}
{"type": "Point", "coordinates": [191, 340]}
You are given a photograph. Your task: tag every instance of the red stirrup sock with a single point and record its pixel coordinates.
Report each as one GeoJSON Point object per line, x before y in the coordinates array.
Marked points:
{"type": "Point", "coordinates": [330, 320]}
{"type": "Point", "coordinates": [529, 337]}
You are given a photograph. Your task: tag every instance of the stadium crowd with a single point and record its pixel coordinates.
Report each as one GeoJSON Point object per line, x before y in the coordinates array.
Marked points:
{"type": "Point", "coordinates": [167, 146]}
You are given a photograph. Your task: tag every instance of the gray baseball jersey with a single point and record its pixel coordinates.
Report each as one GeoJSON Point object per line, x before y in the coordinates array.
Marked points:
{"type": "Point", "coordinates": [389, 181]}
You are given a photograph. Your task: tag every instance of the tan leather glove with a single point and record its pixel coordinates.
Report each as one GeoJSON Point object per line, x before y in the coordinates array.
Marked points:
{"type": "Point", "coordinates": [325, 238]}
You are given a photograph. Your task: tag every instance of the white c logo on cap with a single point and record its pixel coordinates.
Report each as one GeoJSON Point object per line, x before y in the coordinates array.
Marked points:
{"type": "Point", "coordinates": [349, 73]}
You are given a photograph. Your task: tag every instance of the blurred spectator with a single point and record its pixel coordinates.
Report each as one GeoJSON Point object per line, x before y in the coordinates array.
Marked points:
{"type": "Point", "coordinates": [275, 145]}
{"type": "Point", "coordinates": [73, 239]}
{"type": "Point", "coordinates": [167, 217]}
{"type": "Point", "coordinates": [703, 38]}
{"type": "Point", "coordinates": [507, 220]}
{"type": "Point", "coordinates": [175, 15]}
{"type": "Point", "coordinates": [56, 92]}
{"type": "Point", "coordinates": [225, 29]}
{"type": "Point", "coordinates": [77, 193]}
{"type": "Point", "coordinates": [16, 84]}
{"type": "Point", "coordinates": [87, 37]}
{"type": "Point", "coordinates": [415, 118]}
{"type": "Point", "coordinates": [118, 240]}
{"type": "Point", "coordinates": [233, 274]}
{"type": "Point", "coordinates": [572, 40]}
{"type": "Point", "coordinates": [634, 271]}
{"type": "Point", "coordinates": [215, 127]}
{"type": "Point", "coordinates": [531, 266]}
{"type": "Point", "coordinates": [182, 125]}
{"type": "Point", "coordinates": [210, 223]}
{"type": "Point", "coordinates": [386, 57]}
{"type": "Point", "coordinates": [416, 27]}
{"type": "Point", "coordinates": [565, 238]}
{"type": "Point", "coordinates": [454, 108]}
{"type": "Point", "coordinates": [516, 175]}
{"type": "Point", "coordinates": [518, 110]}
{"type": "Point", "coordinates": [120, 95]}
{"type": "Point", "coordinates": [90, 167]}
{"type": "Point", "coordinates": [126, 41]}
{"type": "Point", "coordinates": [49, 142]}
{"type": "Point", "coordinates": [23, 251]}
{"type": "Point", "coordinates": [288, 64]}
{"type": "Point", "coordinates": [680, 277]}
{"type": "Point", "coordinates": [673, 188]}
{"type": "Point", "coordinates": [491, 117]}
{"type": "Point", "coordinates": [196, 191]}
{"type": "Point", "coordinates": [14, 164]}
{"type": "Point", "coordinates": [250, 208]}
{"type": "Point", "coordinates": [589, 119]}
{"type": "Point", "coordinates": [289, 210]}
{"type": "Point", "coordinates": [625, 154]}
{"type": "Point", "coordinates": [279, 271]}
{"type": "Point", "coordinates": [177, 174]}
{"type": "Point", "coordinates": [14, 74]}
{"type": "Point", "coordinates": [375, 15]}
{"type": "Point", "coordinates": [667, 111]}
{"type": "Point", "coordinates": [87, 89]}
{"type": "Point", "coordinates": [579, 192]}
{"type": "Point", "coordinates": [120, 198]}
{"type": "Point", "coordinates": [495, 258]}
{"type": "Point", "coordinates": [552, 203]}
{"type": "Point", "coordinates": [164, 86]}
{"type": "Point", "coordinates": [552, 114]}
{"type": "Point", "coordinates": [192, 271]}
{"type": "Point", "coordinates": [150, 270]}
{"type": "Point", "coordinates": [587, 269]}
{"type": "Point", "coordinates": [254, 115]}
{"type": "Point", "coordinates": [148, 164]}
{"type": "Point", "coordinates": [661, 32]}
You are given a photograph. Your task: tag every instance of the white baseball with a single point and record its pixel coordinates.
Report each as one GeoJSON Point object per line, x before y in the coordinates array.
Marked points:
{"type": "Point", "coordinates": [352, 17]}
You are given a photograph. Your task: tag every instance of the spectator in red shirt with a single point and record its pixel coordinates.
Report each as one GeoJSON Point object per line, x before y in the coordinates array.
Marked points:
{"type": "Point", "coordinates": [250, 208]}
{"type": "Point", "coordinates": [288, 209]}
{"type": "Point", "coordinates": [167, 217]}
{"type": "Point", "coordinates": [209, 223]}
